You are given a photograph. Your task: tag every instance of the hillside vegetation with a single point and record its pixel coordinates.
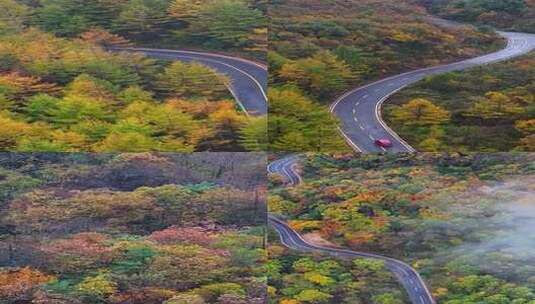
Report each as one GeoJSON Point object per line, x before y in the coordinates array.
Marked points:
{"type": "Point", "coordinates": [515, 15]}
{"type": "Point", "coordinates": [300, 278]}
{"type": "Point", "coordinates": [460, 220]}
{"type": "Point", "coordinates": [490, 108]}
{"type": "Point", "coordinates": [131, 228]}
{"type": "Point", "coordinates": [69, 94]}
{"type": "Point", "coordinates": [238, 26]}
{"type": "Point", "coordinates": [325, 47]}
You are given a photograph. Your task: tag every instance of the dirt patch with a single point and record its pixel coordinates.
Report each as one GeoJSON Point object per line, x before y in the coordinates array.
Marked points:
{"type": "Point", "coordinates": [316, 239]}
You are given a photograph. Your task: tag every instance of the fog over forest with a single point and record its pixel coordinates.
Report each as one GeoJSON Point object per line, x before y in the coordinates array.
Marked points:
{"type": "Point", "coordinates": [504, 243]}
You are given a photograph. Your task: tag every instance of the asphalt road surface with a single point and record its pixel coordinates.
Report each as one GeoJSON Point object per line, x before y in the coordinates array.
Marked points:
{"type": "Point", "coordinates": [248, 78]}
{"type": "Point", "coordinates": [408, 277]}
{"type": "Point", "coordinates": [285, 167]}
{"type": "Point", "coordinates": [360, 110]}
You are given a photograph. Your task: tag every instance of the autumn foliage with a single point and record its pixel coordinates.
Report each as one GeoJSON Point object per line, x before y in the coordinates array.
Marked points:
{"type": "Point", "coordinates": [321, 49]}
{"type": "Point", "coordinates": [484, 108]}
{"type": "Point", "coordinates": [456, 218]}
{"type": "Point", "coordinates": [19, 283]}
{"type": "Point", "coordinates": [60, 94]}
{"type": "Point", "coordinates": [131, 228]}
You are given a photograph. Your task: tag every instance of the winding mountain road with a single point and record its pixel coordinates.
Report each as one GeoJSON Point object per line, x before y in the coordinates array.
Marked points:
{"type": "Point", "coordinates": [248, 78]}
{"type": "Point", "coordinates": [406, 275]}
{"type": "Point", "coordinates": [360, 110]}
{"type": "Point", "coordinates": [285, 167]}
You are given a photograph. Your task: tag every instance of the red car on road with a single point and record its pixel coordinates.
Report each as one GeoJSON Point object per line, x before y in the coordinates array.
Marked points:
{"type": "Point", "coordinates": [385, 143]}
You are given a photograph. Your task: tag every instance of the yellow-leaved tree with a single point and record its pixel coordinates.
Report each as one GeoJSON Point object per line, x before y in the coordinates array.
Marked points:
{"type": "Point", "coordinates": [420, 112]}
{"type": "Point", "coordinates": [99, 286]}
{"type": "Point", "coordinates": [495, 105]}
{"type": "Point", "coordinates": [182, 9]}
{"type": "Point", "coordinates": [194, 81]}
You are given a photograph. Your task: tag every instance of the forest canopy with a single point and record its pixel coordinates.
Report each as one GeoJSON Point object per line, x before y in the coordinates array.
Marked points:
{"type": "Point", "coordinates": [460, 220]}
{"type": "Point", "coordinates": [489, 108]}
{"type": "Point", "coordinates": [515, 15]}
{"type": "Point", "coordinates": [235, 25]}
{"type": "Point", "coordinates": [132, 228]}
{"type": "Point", "coordinates": [324, 48]}
{"type": "Point", "coordinates": [60, 94]}
{"type": "Point", "coordinates": [61, 90]}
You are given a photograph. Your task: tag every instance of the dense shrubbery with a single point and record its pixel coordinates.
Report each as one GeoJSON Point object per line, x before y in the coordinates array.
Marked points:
{"type": "Point", "coordinates": [145, 229]}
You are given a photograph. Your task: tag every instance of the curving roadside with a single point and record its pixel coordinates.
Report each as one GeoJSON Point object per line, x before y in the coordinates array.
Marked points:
{"type": "Point", "coordinates": [406, 275]}
{"type": "Point", "coordinates": [360, 109]}
{"type": "Point", "coordinates": [248, 78]}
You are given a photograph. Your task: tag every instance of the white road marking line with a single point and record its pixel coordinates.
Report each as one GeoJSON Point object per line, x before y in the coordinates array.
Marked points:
{"type": "Point", "coordinates": [354, 111]}
{"type": "Point", "coordinates": [296, 241]}
{"type": "Point", "coordinates": [361, 127]}
{"type": "Point", "coordinates": [357, 103]}
{"type": "Point", "coordinates": [371, 137]}
{"type": "Point", "coordinates": [177, 54]}
{"type": "Point", "coordinates": [355, 119]}
{"type": "Point", "coordinates": [366, 96]}
{"type": "Point", "coordinates": [422, 75]}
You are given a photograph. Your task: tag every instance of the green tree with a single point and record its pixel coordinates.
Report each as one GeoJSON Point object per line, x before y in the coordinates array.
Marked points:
{"type": "Point", "coordinates": [142, 17]}
{"type": "Point", "coordinates": [183, 9]}
{"type": "Point", "coordinates": [322, 74]}
{"type": "Point", "coordinates": [229, 22]}
{"type": "Point", "coordinates": [74, 109]}
{"type": "Point", "coordinates": [72, 17]}
{"type": "Point", "coordinates": [253, 136]}
{"type": "Point", "coordinates": [386, 298]}
{"type": "Point", "coordinates": [298, 124]}
{"type": "Point", "coordinates": [99, 286]}
{"type": "Point", "coordinates": [313, 296]}
{"type": "Point", "coordinates": [134, 261]}
{"type": "Point", "coordinates": [495, 105]}
{"type": "Point", "coordinates": [13, 16]}
{"type": "Point", "coordinates": [193, 80]}
{"type": "Point", "coordinates": [41, 107]}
